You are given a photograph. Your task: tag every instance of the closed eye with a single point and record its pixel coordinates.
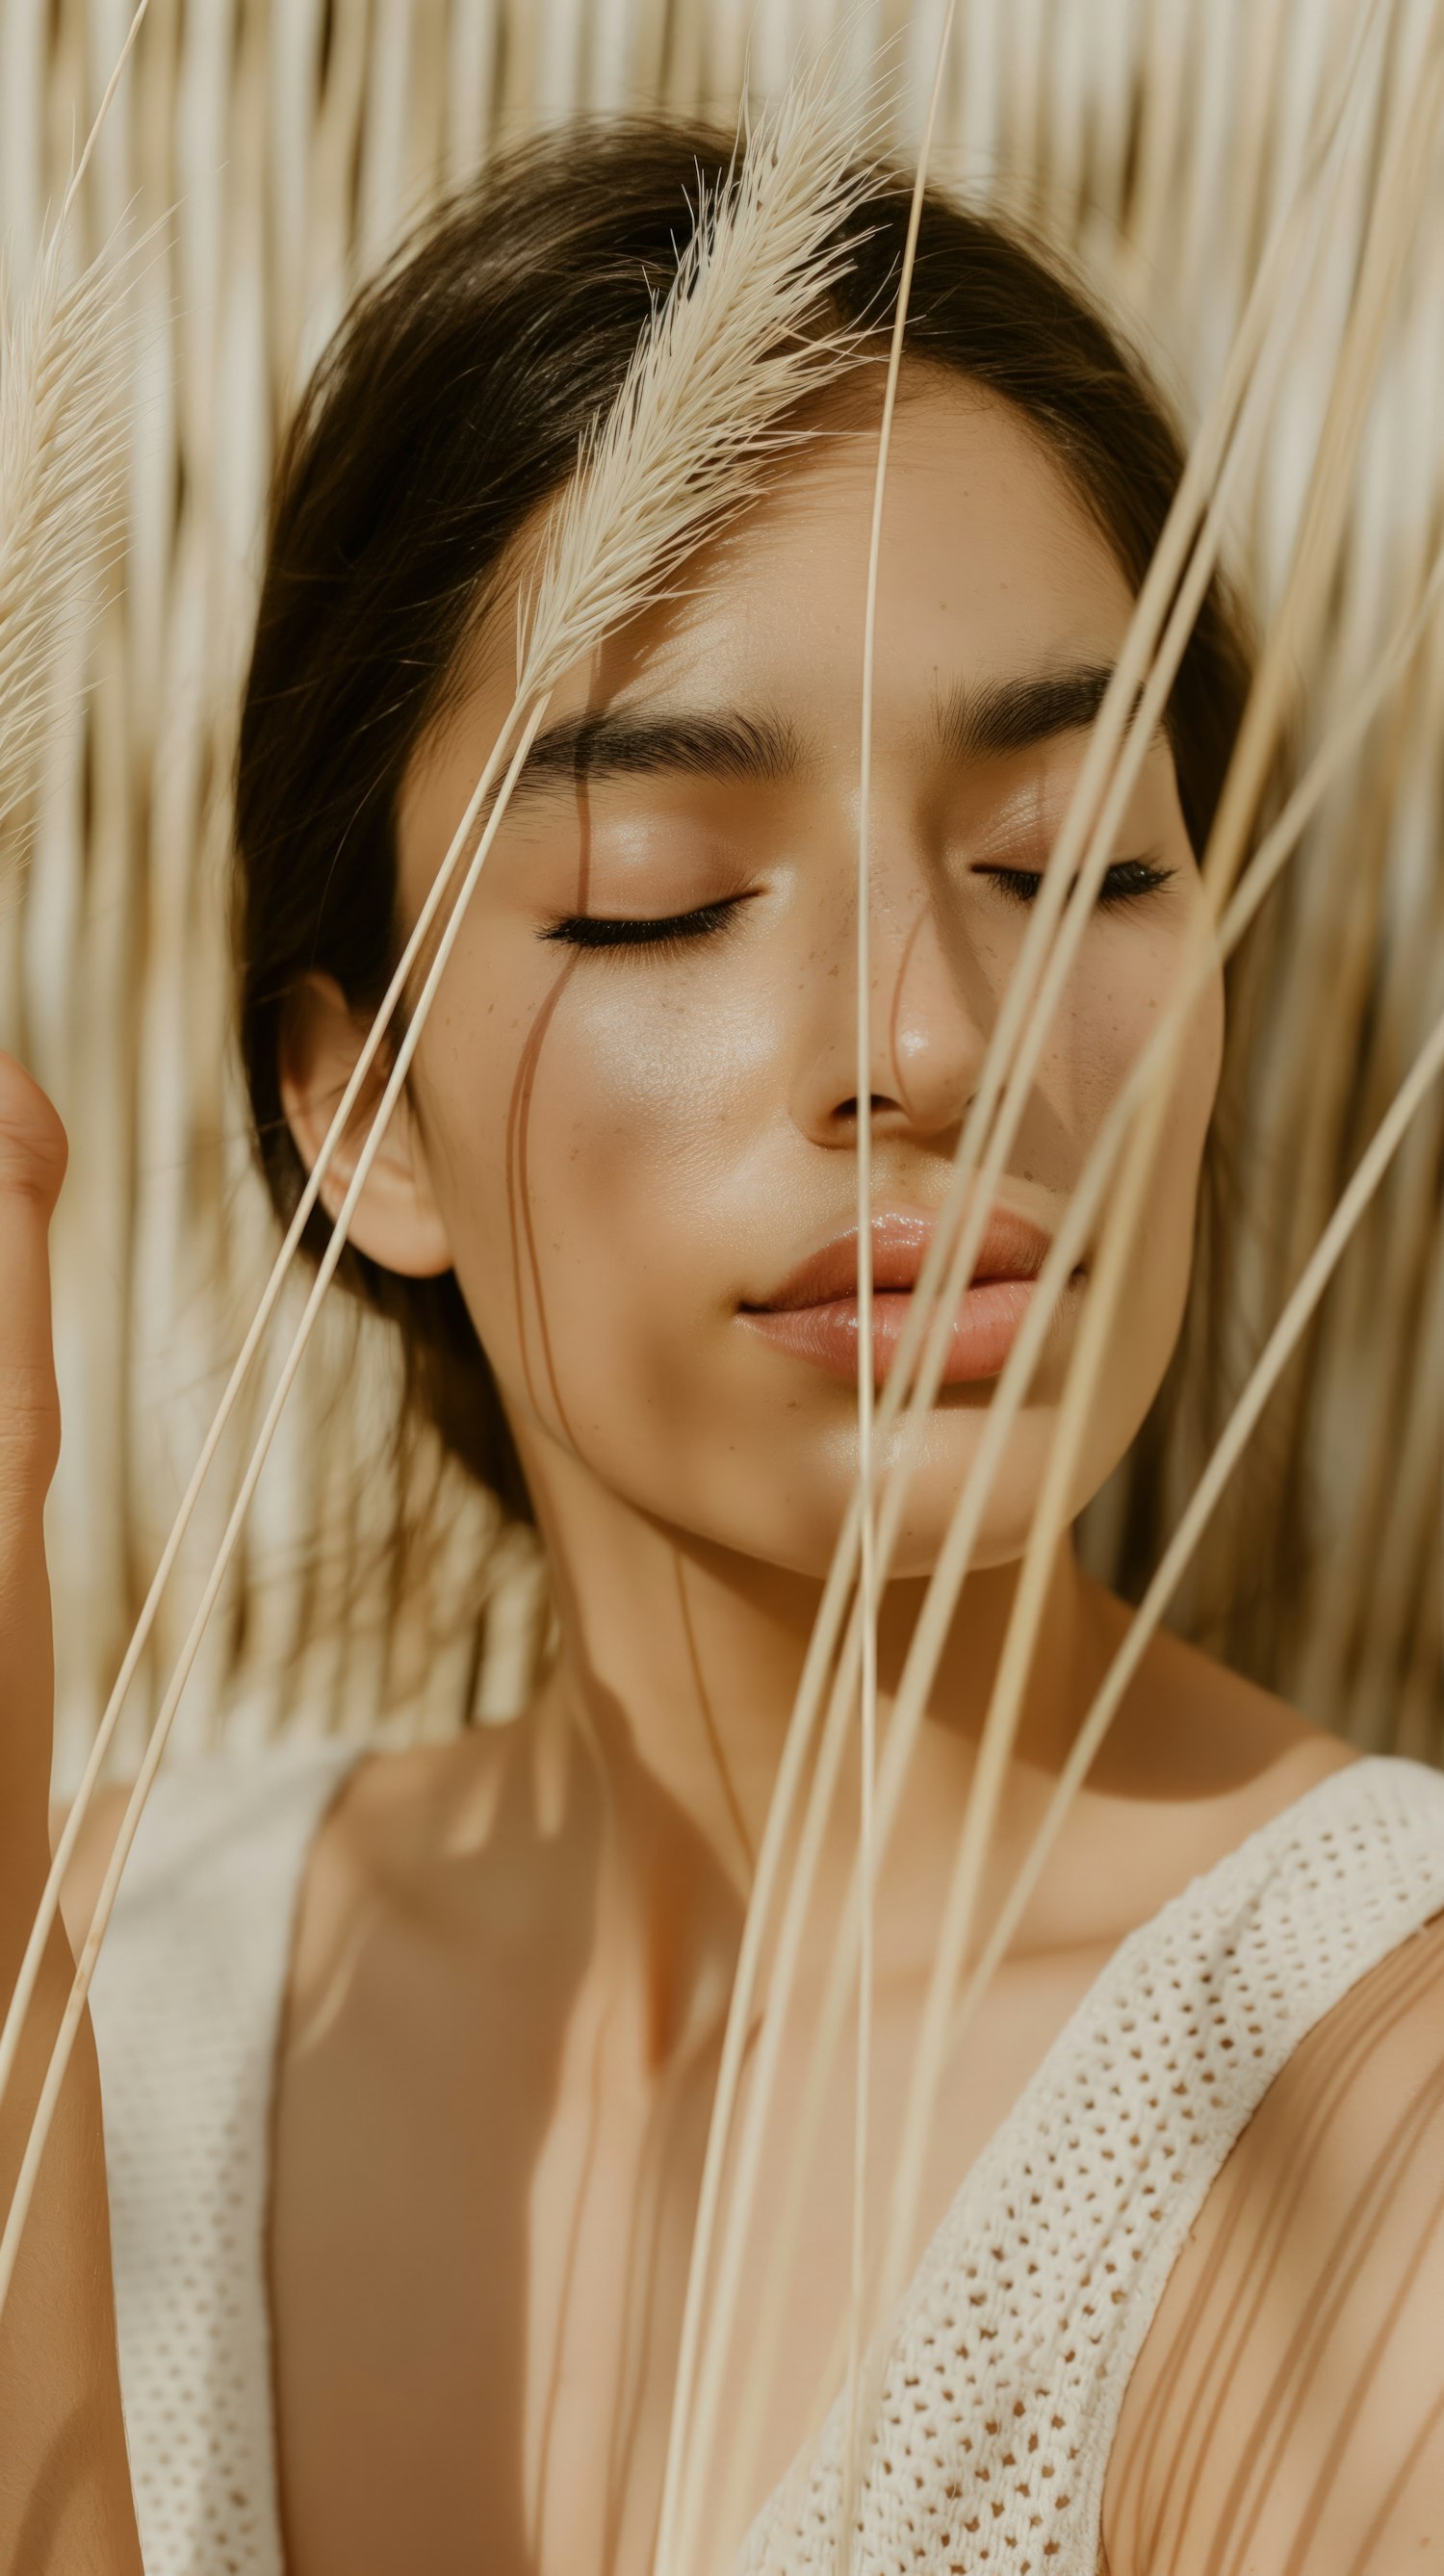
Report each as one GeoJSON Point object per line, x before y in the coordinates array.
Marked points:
{"type": "Point", "coordinates": [667, 930]}
{"type": "Point", "coordinates": [1127, 881]}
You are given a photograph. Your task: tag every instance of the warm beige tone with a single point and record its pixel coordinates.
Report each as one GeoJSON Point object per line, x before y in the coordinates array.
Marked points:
{"type": "Point", "coordinates": [433, 2109]}
{"type": "Point", "coordinates": [689, 1133]}
{"type": "Point", "coordinates": [111, 978]}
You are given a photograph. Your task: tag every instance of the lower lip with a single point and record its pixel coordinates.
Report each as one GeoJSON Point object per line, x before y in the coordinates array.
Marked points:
{"type": "Point", "coordinates": [984, 1329]}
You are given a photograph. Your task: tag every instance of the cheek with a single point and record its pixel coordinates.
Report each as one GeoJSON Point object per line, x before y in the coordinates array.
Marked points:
{"type": "Point", "coordinates": [595, 1149]}
{"type": "Point", "coordinates": [648, 1092]}
{"type": "Point", "coordinates": [1172, 1198]}
{"type": "Point", "coordinates": [1197, 1086]}
{"type": "Point", "coordinates": [1099, 1046]}
{"type": "Point", "coordinates": [1167, 1239]}
{"type": "Point", "coordinates": [1111, 1012]}
{"type": "Point", "coordinates": [1155, 1293]}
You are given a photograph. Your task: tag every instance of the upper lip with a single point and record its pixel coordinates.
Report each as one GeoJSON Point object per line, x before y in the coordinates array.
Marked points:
{"type": "Point", "coordinates": [1013, 1247]}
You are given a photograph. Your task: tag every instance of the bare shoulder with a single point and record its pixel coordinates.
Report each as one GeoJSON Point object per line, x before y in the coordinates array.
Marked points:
{"type": "Point", "coordinates": [1287, 2410]}
{"type": "Point", "coordinates": [414, 1834]}
{"type": "Point", "coordinates": [1209, 1732]}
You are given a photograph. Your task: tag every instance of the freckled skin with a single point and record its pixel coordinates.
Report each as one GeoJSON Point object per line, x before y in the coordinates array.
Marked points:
{"type": "Point", "coordinates": [618, 1150]}
{"type": "Point", "coordinates": [508, 1983]}
{"type": "Point", "coordinates": [687, 1136]}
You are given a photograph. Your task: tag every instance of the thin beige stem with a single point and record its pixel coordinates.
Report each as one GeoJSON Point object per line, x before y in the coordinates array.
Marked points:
{"type": "Point", "coordinates": [140, 1637]}
{"type": "Point", "coordinates": [1315, 555]}
{"type": "Point", "coordinates": [135, 1805]}
{"type": "Point", "coordinates": [1259, 346]}
{"type": "Point", "coordinates": [611, 541]}
{"type": "Point", "coordinates": [710, 2366]}
{"type": "Point", "coordinates": [797, 1746]}
{"type": "Point", "coordinates": [925, 1337]}
{"type": "Point", "coordinates": [866, 1499]}
{"type": "Point", "coordinates": [1259, 334]}
{"type": "Point", "coordinates": [101, 113]}
{"type": "Point", "coordinates": [1019, 1074]}
{"type": "Point", "coordinates": [1149, 1070]}
{"type": "Point", "coordinates": [966, 1252]}
{"type": "Point", "coordinates": [1264, 1377]}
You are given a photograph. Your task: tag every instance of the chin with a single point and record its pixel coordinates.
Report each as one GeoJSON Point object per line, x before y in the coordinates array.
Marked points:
{"type": "Point", "coordinates": [936, 1490]}
{"type": "Point", "coordinates": [790, 1511]}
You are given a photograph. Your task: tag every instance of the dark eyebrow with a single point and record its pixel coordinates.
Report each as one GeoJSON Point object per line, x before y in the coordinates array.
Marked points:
{"type": "Point", "coordinates": [1017, 715]}
{"type": "Point", "coordinates": [625, 743]}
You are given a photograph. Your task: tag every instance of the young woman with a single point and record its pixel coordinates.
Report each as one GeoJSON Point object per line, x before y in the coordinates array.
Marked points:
{"type": "Point", "coordinates": [407, 2061]}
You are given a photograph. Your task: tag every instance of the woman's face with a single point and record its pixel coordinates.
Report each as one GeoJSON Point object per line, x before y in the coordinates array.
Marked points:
{"type": "Point", "coordinates": [640, 1150]}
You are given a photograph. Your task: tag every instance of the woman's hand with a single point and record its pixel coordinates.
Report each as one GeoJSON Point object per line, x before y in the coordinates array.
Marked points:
{"type": "Point", "coordinates": [32, 1167]}
{"type": "Point", "coordinates": [65, 2499]}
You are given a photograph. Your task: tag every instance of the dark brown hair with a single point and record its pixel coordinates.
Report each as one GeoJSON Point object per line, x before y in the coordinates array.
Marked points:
{"type": "Point", "coordinates": [448, 408]}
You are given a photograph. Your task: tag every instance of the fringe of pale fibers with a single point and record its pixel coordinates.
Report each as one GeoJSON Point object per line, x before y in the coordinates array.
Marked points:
{"type": "Point", "coordinates": [738, 344]}
{"type": "Point", "coordinates": [1157, 145]}
{"type": "Point", "coordinates": [63, 446]}
{"type": "Point", "coordinates": [682, 443]}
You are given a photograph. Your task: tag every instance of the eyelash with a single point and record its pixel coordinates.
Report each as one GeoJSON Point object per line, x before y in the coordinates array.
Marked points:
{"type": "Point", "coordinates": [673, 930]}
{"type": "Point", "coordinates": [1127, 881]}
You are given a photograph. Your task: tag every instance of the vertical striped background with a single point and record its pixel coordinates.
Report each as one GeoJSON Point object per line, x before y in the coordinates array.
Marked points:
{"type": "Point", "coordinates": [281, 146]}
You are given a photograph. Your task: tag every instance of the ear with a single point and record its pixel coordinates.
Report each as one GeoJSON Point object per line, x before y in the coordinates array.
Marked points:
{"type": "Point", "coordinates": [396, 1220]}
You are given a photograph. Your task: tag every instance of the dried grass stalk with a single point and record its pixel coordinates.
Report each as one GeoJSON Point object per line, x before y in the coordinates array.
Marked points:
{"type": "Point", "coordinates": [1174, 586]}
{"type": "Point", "coordinates": [700, 422]}
{"type": "Point", "coordinates": [1279, 845]}
{"type": "Point", "coordinates": [63, 441]}
{"type": "Point", "coordinates": [1313, 560]}
{"type": "Point", "coordinates": [1076, 143]}
{"type": "Point", "coordinates": [239, 309]}
{"type": "Point", "coordinates": [1396, 215]}
{"type": "Point", "coordinates": [868, 1588]}
{"type": "Point", "coordinates": [664, 469]}
{"type": "Point", "coordinates": [63, 447]}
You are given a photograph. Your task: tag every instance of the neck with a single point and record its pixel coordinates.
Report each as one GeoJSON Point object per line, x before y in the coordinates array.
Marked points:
{"type": "Point", "coordinates": [681, 1661]}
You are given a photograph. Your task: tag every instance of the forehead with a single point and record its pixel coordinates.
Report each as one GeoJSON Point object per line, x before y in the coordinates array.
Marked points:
{"type": "Point", "coordinates": [990, 565]}
{"type": "Point", "coordinates": [992, 572]}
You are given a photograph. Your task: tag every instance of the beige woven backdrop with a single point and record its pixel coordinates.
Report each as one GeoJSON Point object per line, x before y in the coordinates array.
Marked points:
{"type": "Point", "coordinates": [282, 145]}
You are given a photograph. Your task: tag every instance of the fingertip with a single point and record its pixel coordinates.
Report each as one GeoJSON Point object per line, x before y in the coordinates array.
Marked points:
{"type": "Point", "coordinates": [34, 1148]}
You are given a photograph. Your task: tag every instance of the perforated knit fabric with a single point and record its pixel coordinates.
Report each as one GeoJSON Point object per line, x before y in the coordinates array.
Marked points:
{"type": "Point", "coordinates": [1014, 2341]}
{"type": "Point", "coordinates": [186, 2004]}
{"type": "Point", "coordinates": [1011, 2351]}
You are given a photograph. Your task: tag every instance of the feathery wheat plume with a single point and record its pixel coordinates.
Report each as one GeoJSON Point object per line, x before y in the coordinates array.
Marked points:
{"type": "Point", "coordinates": [62, 455]}
{"type": "Point", "coordinates": [63, 450]}
{"type": "Point", "coordinates": [701, 419]}
{"type": "Point", "coordinates": [702, 413]}
{"type": "Point", "coordinates": [1094, 143]}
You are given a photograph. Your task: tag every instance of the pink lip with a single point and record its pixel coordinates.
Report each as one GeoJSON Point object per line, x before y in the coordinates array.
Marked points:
{"type": "Point", "coordinates": [812, 1314]}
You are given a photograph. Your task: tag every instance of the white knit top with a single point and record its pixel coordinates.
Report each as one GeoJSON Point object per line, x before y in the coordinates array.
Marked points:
{"type": "Point", "coordinates": [1012, 2347]}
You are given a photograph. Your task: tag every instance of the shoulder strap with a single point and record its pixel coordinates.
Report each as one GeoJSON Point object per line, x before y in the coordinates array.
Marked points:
{"type": "Point", "coordinates": [187, 2002]}
{"type": "Point", "coordinates": [1013, 2345]}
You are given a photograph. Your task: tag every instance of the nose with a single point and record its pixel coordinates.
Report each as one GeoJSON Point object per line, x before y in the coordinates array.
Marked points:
{"type": "Point", "coordinates": [929, 1018]}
